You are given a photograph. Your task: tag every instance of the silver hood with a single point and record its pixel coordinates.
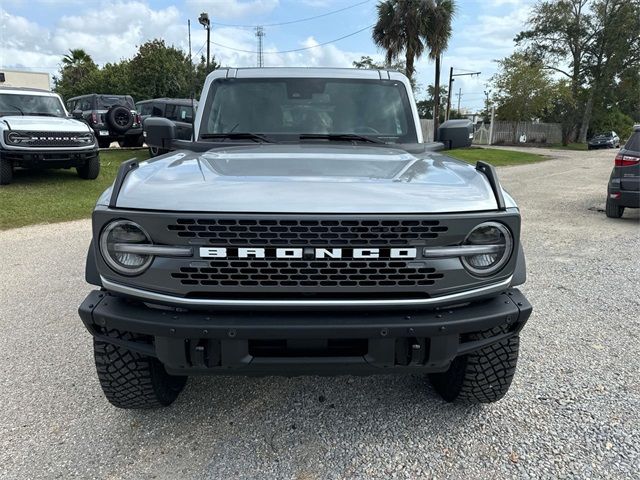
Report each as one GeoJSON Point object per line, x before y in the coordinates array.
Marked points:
{"type": "Point", "coordinates": [308, 178]}
{"type": "Point", "coordinates": [43, 124]}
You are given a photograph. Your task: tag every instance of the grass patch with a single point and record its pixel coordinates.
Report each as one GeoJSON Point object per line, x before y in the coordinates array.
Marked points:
{"type": "Point", "coordinates": [494, 156]}
{"type": "Point", "coordinates": [49, 196]}
{"type": "Point", "coordinates": [570, 146]}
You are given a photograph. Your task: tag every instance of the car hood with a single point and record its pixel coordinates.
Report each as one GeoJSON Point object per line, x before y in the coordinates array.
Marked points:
{"type": "Point", "coordinates": [44, 124]}
{"type": "Point", "coordinates": [306, 179]}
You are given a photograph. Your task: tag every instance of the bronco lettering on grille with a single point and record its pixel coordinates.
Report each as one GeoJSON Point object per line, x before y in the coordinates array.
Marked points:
{"type": "Point", "coordinates": [251, 252]}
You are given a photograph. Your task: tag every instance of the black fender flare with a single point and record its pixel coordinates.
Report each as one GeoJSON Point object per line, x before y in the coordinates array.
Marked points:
{"type": "Point", "coordinates": [91, 274]}
{"type": "Point", "coordinates": [520, 272]}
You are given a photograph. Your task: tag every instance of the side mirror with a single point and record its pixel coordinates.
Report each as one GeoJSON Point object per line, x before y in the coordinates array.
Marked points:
{"type": "Point", "coordinates": [159, 132]}
{"type": "Point", "coordinates": [456, 133]}
{"type": "Point", "coordinates": [77, 114]}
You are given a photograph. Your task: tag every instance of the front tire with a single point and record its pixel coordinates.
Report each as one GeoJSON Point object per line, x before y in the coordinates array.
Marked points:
{"type": "Point", "coordinates": [6, 172]}
{"type": "Point", "coordinates": [613, 210]}
{"type": "Point", "coordinates": [483, 376]}
{"type": "Point", "coordinates": [90, 170]}
{"type": "Point", "coordinates": [131, 380]}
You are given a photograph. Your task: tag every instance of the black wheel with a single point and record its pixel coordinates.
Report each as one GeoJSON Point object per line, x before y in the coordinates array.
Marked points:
{"type": "Point", "coordinates": [6, 172]}
{"type": "Point", "coordinates": [119, 118]}
{"type": "Point", "coordinates": [132, 380]}
{"type": "Point", "coordinates": [614, 210]}
{"type": "Point", "coordinates": [104, 142]}
{"type": "Point", "coordinates": [155, 151]}
{"type": "Point", "coordinates": [483, 376]}
{"type": "Point", "coordinates": [90, 170]}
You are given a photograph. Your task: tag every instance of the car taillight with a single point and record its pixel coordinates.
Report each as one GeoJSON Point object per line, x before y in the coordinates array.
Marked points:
{"type": "Point", "coordinates": [626, 160]}
{"type": "Point", "coordinates": [94, 118]}
{"type": "Point", "coordinates": [138, 118]}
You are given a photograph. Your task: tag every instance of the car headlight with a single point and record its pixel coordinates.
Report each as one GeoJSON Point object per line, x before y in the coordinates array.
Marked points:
{"type": "Point", "coordinates": [499, 244]}
{"type": "Point", "coordinates": [118, 243]}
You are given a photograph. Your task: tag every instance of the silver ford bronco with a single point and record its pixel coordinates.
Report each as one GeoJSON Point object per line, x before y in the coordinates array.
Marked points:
{"type": "Point", "coordinates": [306, 228]}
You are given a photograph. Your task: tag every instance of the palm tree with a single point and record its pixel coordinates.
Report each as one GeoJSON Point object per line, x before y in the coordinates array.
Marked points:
{"type": "Point", "coordinates": [76, 57]}
{"type": "Point", "coordinates": [400, 28]}
{"type": "Point", "coordinates": [437, 34]}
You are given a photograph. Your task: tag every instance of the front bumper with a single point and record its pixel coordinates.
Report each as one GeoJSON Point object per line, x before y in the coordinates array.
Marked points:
{"type": "Point", "coordinates": [49, 158]}
{"type": "Point", "coordinates": [311, 342]}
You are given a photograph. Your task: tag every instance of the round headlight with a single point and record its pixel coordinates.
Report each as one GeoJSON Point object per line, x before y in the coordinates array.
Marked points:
{"type": "Point", "coordinates": [113, 246]}
{"type": "Point", "coordinates": [499, 242]}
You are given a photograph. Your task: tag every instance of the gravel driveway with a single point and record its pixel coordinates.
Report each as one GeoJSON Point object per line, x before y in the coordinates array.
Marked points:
{"type": "Point", "coordinates": [572, 411]}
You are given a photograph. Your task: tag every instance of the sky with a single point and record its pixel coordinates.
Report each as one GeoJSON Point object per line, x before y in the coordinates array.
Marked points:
{"type": "Point", "coordinates": [35, 34]}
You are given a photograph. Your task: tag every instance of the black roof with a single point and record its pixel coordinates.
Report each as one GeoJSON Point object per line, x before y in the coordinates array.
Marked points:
{"type": "Point", "coordinates": [176, 101]}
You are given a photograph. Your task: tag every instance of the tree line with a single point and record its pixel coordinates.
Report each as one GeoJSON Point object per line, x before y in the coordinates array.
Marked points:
{"type": "Point", "coordinates": [577, 64]}
{"type": "Point", "coordinates": [155, 71]}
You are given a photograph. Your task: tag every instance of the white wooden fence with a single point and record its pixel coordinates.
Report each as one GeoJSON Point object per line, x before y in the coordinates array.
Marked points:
{"type": "Point", "coordinates": [513, 133]}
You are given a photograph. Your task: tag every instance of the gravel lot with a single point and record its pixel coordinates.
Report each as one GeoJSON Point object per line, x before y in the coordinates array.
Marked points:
{"type": "Point", "coordinates": [573, 409]}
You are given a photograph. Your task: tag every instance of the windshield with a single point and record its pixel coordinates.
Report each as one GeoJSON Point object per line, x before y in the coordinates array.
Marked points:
{"type": "Point", "coordinates": [25, 104]}
{"type": "Point", "coordinates": [281, 107]}
{"type": "Point", "coordinates": [604, 134]}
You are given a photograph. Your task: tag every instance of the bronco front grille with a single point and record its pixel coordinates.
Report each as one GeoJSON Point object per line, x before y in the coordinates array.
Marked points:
{"type": "Point", "coordinates": [380, 273]}
{"type": "Point", "coordinates": [48, 139]}
{"type": "Point", "coordinates": [292, 232]}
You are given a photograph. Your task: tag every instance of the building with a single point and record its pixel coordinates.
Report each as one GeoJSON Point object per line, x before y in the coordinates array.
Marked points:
{"type": "Point", "coordinates": [21, 78]}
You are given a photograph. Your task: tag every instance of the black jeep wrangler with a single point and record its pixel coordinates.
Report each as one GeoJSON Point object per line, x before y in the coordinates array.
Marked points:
{"type": "Point", "coordinates": [112, 118]}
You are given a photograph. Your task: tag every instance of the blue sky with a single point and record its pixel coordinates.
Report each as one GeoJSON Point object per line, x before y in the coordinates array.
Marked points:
{"type": "Point", "coordinates": [34, 34]}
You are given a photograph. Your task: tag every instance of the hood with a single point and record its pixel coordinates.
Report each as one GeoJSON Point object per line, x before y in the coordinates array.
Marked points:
{"type": "Point", "coordinates": [306, 179]}
{"type": "Point", "coordinates": [44, 123]}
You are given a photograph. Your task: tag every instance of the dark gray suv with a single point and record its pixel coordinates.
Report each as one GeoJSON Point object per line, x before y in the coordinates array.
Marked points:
{"type": "Point", "coordinates": [112, 118]}
{"type": "Point", "coordinates": [624, 183]}
{"type": "Point", "coordinates": [179, 110]}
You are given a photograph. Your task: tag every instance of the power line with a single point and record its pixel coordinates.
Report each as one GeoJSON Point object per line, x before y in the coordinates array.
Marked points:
{"type": "Point", "coordinates": [295, 49]}
{"type": "Point", "coordinates": [289, 22]}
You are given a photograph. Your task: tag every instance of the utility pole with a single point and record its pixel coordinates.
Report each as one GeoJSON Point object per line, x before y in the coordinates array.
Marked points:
{"type": "Point", "coordinates": [459, 97]}
{"type": "Point", "coordinates": [260, 34]}
{"type": "Point", "coordinates": [206, 23]}
{"type": "Point", "coordinates": [451, 75]}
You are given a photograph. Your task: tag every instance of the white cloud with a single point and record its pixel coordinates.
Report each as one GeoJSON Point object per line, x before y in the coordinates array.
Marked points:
{"type": "Point", "coordinates": [233, 8]}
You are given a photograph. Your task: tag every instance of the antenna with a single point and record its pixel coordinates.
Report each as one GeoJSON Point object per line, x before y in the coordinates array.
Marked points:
{"type": "Point", "coordinates": [260, 33]}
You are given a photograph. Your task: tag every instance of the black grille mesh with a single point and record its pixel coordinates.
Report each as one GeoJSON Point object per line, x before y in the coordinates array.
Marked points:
{"type": "Point", "coordinates": [266, 232]}
{"type": "Point", "coordinates": [308, 273]}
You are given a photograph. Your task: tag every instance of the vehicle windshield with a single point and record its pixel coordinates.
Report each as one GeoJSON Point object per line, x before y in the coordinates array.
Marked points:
{"type": "Point", "coordinates": [281, 107]}
{"type": "Point", "coordinates": [105, 102]}
{"type": "Point", "coordinates": [26, 104]}
{"type": "Point", "coordinates": [604, 134]}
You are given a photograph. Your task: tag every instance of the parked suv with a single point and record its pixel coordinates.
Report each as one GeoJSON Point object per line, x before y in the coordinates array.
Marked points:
{"type": "Point", "coordinates": [180, 110]}
{"type": "Point", "coordinates": [306, 229]}
{"type": "Point", "coordinates": [624, 183]}
{"type": "Point", "coordinates": [112, 117]}
{"type": "Point", "coordinates": [36, 132]}
{"type": "Point", "coordinates": [608, 139]}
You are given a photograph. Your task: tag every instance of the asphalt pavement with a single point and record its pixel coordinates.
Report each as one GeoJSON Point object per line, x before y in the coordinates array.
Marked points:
{"type": "Point", "coordinates": [573, 410]}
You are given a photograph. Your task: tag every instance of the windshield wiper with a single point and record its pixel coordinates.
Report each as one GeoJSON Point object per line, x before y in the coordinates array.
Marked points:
{"type": "Point", "coordinates": [16, 108]}
{"type": "Point", "coordinates": [238, 136]}
{"type": "Point", "coordinates": [41, 114]}
{"type": "Point", "coordinates": [341, 137]}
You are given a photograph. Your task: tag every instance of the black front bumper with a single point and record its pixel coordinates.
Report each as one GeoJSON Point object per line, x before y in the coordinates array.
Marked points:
{"type": "Point", "coordinates": [44, 158]}
{"type": "Point", "coordinates": [310, 342]}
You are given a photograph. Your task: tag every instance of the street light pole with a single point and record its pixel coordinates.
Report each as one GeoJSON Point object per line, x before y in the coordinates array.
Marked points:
{"type": "Point", "coordinates": [206, 23]}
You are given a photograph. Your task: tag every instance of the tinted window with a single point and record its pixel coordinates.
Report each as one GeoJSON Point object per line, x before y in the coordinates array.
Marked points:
{"type": "Point", "coordinates": [634, 142]}
{"type": "Point", "coordinates": [84, 104]}
{"type": "Point", "coordinates": [310, 105]}
{"type": "Point", "coordinates": [104, 102]}
{"type": "Point", "coordinates": [145, 108]}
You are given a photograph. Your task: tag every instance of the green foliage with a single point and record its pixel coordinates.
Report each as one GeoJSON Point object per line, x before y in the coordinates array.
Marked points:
{"type": "Point", "coordinates": [614, 120]}
{"type": "Point", "coordinates": [425, 107]}
{"type": "Point", "coordinates": [367, 63]}
{"type": "Point", "coordinates": [157, 70]}
{"type": "Point", "coordinates": [495, 156]}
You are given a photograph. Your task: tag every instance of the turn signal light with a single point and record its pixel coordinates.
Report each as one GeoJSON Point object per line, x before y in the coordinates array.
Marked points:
{"type": "Point", "coordinates": [626, 160]}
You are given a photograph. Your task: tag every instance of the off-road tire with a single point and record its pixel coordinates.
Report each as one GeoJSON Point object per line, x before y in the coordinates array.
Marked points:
{"type": "Point", "coordinates": [90, 170]}
{"type": "Point", "coordinates": [131, 380]}
{"type": "Point", "coordinates": [6, 172]}
{"type": "Point", "coordinates": [483, 376]}
{"type": "Point", "coordinates": [156, 151]}
{"type": "Point", "coordinates": [104, 142]}
{"type": "Point", "coordinates": [613, 210]}
{"type": "Point", "coordinates": [119, 118]}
